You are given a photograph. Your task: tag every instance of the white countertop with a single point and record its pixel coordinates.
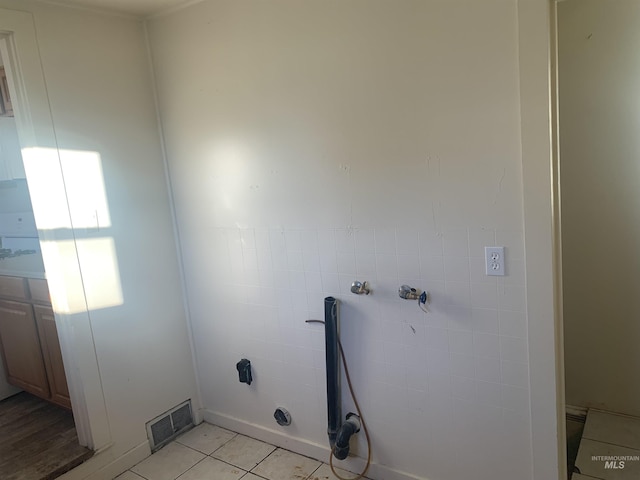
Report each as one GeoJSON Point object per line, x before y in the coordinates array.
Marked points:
{"type": "Point", "coordinates": [29, 266]}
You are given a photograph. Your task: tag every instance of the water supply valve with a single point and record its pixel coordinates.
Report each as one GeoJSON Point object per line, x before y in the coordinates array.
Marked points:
{"type": "Point", "coordinates": [408, 293]}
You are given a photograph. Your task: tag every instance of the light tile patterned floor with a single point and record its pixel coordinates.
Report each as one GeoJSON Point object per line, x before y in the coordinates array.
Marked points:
{"type": "Point", "coordinates": [609, 435]}
{"type": "Point", "coordinates": [208, 452]}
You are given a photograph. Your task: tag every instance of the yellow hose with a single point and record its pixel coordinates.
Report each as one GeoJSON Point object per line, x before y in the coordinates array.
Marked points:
{"type": "Point", "coordinates": [364, 425]}
{"type": "Point", "coordinates": [355, 402]}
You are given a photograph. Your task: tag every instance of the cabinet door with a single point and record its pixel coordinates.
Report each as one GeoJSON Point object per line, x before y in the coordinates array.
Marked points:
{"type": "Point", "coordinates": [21, 348]}
{"type": "Point", "coordinates": [11, 166]}
{"type": "Point", "coordinates": [52, 355]}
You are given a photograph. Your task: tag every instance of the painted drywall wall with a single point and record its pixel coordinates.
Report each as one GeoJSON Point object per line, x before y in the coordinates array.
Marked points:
{"type": "Point", "coordinates": [99, 89]}
{"type": "Point", "coordinates": [14, 196]}
{"type": "Point", "coordinates": [315, 143]}
{"type": "Point", "coordinates": [14, 193]}
{"type": "Point", "coordinates": [599, 72]}
{"type": "Point", "coordinates": [10, 160]}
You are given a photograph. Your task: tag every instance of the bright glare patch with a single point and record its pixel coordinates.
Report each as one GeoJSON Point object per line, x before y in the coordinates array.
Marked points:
{"type": "Point", "coordinates": [64, 286]}
{"type": "Point", "coordinates": [46, 188]}
{"type": "Point", "coordinates": [100, 273]}
{"type": "Point", "coordinates": [84, 182]}
{"type": "Point", "coordinates": [230, 171]}
{"type": "Point", "coordinates": [80, 182]}
{"type": "Point", "coordinates": [68, 192]}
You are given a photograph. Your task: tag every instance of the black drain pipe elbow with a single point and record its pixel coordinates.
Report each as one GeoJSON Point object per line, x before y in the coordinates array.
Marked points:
{"type": "Point", "coordinates": [334, 398]}
{"type": "Point", "coordinates": [348, 428]}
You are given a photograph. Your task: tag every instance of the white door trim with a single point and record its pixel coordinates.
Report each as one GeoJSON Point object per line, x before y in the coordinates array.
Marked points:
{"type": "Point", "coordinates": [536, 30]}
{"type": "Point", "coordinates": [36, 132]}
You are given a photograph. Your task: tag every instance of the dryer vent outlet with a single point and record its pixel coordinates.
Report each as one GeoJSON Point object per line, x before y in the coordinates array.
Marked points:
{"type": "Point", "coordinates": [282, 416]}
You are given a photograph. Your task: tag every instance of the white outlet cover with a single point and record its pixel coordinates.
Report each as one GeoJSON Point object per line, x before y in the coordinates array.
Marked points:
{"type": "Point", "coordinates": [494, 261]}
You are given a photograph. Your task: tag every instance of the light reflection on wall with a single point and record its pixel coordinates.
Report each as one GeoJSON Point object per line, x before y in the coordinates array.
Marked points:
{"type": "Point", "coordinates": [69, 202]}
{"type": "Point", "coordinates": [230, 171]}
{"type": "Point", "coordinates": [46, 187]}
{"type": "Point", "coordinates": [65, 287]}
{"type": "Point", "coordinates": [100, 273]}
{"type": "Point", "coordinates": [84, 182]}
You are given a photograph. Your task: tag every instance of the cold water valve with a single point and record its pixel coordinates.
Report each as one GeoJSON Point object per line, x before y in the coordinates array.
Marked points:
{"type": "Point", "coordinates": [410, 293]}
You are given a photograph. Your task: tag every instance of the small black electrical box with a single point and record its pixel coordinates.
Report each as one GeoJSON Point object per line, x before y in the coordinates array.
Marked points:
{"type": "Point", "coordinates": [244, 371]}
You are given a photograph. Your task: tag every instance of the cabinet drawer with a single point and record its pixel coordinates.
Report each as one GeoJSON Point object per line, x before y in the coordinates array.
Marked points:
{"type": "Point", "coordinates": [13, 287]}
{"type": "Point", "coordinates": [39, 290]}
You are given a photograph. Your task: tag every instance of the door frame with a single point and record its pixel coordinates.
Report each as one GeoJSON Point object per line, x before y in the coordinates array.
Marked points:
{"type": "Point", "coordinates": [539, 137]}
{"type": "Point", "coordinates": [536, 41]}
{"type": "Point", "coordinates": [36, 132]}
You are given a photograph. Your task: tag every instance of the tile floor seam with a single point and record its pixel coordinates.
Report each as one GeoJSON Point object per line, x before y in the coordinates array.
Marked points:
{"type": "Point", "coordinates": [244, 472]}
{"type": "Point", "coordinates": [263, 443]}
{"type": "Point", "coordinates": [283, 452]}
{"type": "Point", "coordinates": [211, 454]}
{"type": "Point", "coordinates": [257, 464]}
{"type": "Point", "coordinates": [141, 476]}
{"type": "Point", "coordinates": [255, 474]}
{"type": "Point", "coordinates": [609, 443]}
{"type": "Point", "coordinates": [313, 473]}
{"type": "Point", "coordinates": [199, 461]}
{"type": "Point", "coordinates": [235, 434]}
{"type": "Point", "coordinates": [226, 463]}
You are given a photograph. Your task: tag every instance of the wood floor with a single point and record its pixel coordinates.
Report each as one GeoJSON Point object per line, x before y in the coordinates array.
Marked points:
{"type": "Point", "coordinates": [38, 440]}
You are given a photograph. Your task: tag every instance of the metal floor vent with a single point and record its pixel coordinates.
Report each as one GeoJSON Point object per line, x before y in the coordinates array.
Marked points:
{"type": "Point", "coordinates": [576, 418]}
{"type": "Point", "coordinates": [169, 425]}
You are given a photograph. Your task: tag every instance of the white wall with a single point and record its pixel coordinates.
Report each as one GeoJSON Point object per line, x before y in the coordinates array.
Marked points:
{"type": "Point", "coordinates": [14, 197]}
{"type": "Point", "coordinates": [99, 88]}
{"type": "Point", "coordinates": [315, 143]}
{"type": "Point", "coordinates": [599, 73]}
{"type": "Point", "coordinates": [10, 159]}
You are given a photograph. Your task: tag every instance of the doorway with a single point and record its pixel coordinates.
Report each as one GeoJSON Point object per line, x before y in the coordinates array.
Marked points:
{"type": "Point", "coordinates": [37, 432]}
{"type": "Point", "coordinates": [46, 184]}
{"type": "Point", "coordinates": [599, 160]}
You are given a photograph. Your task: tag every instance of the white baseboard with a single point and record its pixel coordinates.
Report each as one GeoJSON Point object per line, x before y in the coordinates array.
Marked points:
{"type": "Point", "coordinates": [304, 447]}
{"type": "Point", "coordinates": [575, 411]}
{"type": "Point", "coordinates": [103, 465]}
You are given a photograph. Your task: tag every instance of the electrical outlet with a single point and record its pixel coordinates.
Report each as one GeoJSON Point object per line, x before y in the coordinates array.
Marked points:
{"type": "Point", "coordinates": [494, 260]}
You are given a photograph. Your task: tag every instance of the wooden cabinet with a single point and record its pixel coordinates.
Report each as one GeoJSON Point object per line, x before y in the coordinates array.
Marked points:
{"type": "Point", "coordinates": [52, 355]}
{"type": "Point", "coordinates": [14, 288]}
{"type": "Point", "coordinates": [29, 339]}
{"type": "Point", "coordinates": [21, 350]}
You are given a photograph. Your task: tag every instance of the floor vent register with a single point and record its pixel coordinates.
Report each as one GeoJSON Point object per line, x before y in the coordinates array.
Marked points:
{"type": "Point", "coordinates": [164, 428]}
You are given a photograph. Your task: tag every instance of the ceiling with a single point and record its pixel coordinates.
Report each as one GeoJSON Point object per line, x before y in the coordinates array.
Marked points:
{"type": "Point", "coordinates": [141, 8]}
